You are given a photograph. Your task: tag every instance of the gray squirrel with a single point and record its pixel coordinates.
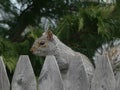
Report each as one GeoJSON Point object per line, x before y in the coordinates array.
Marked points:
{"type": "Point", "coordinates": [49, 44]}
{"type": "Point", "coordinates": [112, 50]}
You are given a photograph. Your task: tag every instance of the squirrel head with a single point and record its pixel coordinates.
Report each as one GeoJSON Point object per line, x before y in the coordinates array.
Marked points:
{"type": "Point", "coordinates": [44, 45]}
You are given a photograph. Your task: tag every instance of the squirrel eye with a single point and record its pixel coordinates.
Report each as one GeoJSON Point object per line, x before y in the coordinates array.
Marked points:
{"type": "Point", "coordinates": [42, 43]}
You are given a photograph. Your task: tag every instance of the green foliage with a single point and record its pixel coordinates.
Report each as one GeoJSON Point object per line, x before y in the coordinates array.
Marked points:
{"type": "Point", "coordinates": [7, 50]}
{"type": "Point", "coordinates": [88, 28]}
{"type": "Point", "coordinates": [35, 32]}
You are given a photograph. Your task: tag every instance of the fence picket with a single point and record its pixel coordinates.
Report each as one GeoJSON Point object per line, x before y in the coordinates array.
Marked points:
{"type": "Point", "coordinates": [76, 78]}
{"type": "Point", "coordinates": [117, 77]}
{"type": "Point", "coordinates": [103, 78]}
{"type": "Point", "coordinates": [4, 82]}
{"type": "Point", "coordinates": [24, 78]}
{"type": "Point", "coordinates": [50, 78]}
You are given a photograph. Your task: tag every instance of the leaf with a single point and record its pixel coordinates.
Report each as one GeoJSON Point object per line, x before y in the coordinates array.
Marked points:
{"type": "Point", "coordinates": [81, 24]}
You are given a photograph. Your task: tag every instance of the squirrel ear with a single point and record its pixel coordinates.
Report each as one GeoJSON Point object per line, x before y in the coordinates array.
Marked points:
{"type": "Point", "coordinates": [49, 35]}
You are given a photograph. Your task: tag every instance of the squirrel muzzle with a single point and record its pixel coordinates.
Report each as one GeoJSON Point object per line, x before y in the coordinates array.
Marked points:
{"type": "Point", "coordinates": [32, 49]}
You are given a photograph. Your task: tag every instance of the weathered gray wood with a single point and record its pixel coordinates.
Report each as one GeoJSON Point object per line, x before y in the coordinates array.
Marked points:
{"type": "Point", "coordinates": [76, 78]}
{"type": "Point", "coordinates": [117, 77]}
{"type": "Point", "coordinates": [50, 78]}
{"type": "Point", "coordinates": [24, 78]}
{"type": "Point", "coordinates": [103, 78]}
{"type": "Point", "coordinates": [4, 82]}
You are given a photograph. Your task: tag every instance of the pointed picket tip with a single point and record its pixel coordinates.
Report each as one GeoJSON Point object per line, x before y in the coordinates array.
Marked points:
{"type": "Point", "coordinates": [103, 78]}
{"type": "Point", "coordinates": [24, 78]}
{"type": "Point", "coordinates": [50, 78]}
{"type": "Point", "coordinates": [76, 78]}
{"type": "Point", "coordinates": [4, 81]}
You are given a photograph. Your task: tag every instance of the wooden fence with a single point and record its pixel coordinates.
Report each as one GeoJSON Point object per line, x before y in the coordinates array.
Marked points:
{"type": "Point", "coordinates": [50, 77]}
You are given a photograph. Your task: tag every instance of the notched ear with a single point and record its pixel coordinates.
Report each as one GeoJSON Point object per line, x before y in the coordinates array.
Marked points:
{"type": "Point", "coordinates": [49, 35]}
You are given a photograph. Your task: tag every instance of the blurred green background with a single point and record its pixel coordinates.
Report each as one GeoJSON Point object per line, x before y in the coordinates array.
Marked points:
{"type": "Point", "coordinates": [82, 25]}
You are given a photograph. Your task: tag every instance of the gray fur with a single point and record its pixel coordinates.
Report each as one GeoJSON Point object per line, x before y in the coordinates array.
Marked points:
{"type": "Point", "coordinates": [112, 49]}
{"type": "Point", "coordinates": [61, 52]}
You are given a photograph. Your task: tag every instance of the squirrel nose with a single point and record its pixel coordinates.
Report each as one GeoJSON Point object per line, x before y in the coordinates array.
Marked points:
{"type": "Point", "coordinates": [32, 49]}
